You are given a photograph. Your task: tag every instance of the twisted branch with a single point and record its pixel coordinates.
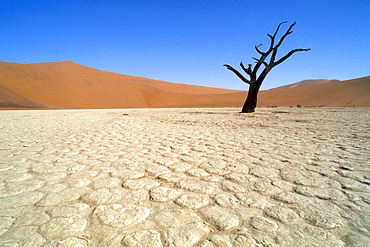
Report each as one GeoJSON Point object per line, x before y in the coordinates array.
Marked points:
{"type": "Point", "coordinates": [288, 55]}
{"type": "Point", "coordinates": [249, 70]}
{"type": "Point", "coordinates": [274, 36]}
{"type": "Point", "coordinates": [237, 73]}
{"type": "Point", "coordinates": [264, 55]}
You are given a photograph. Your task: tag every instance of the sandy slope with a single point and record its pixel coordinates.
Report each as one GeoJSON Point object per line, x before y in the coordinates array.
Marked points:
{"type": "Point", "coordinates": [70, 85]}
{"type": "Point", "coordinates": [342, 93]}
{"type": "Point", "coordinates": [305, 83]}
{"type": "Point", "coordinates": [10, 98]}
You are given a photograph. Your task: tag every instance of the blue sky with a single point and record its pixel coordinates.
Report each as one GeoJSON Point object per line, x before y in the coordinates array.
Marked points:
{"type": "Point", "coordinates": [188, 41]}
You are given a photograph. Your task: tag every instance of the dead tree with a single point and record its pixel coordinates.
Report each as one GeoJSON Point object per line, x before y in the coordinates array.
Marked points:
{"type": "Point", "coordinates": [268, 60]}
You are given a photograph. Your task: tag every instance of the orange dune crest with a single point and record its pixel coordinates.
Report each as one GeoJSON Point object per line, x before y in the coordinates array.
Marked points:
{"type": "Point", "coordinates": [354, 92]}
{"type": "Point", "coordinates": [60, 85]}
{"type": "Point", "coordinates": [305, 83]}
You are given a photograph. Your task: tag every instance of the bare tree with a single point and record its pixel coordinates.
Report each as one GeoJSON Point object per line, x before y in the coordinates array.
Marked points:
{"type": "Point", "coordinates": [268, 60]}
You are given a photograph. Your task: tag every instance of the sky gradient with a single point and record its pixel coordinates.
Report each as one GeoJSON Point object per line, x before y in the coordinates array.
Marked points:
{"type": "Point", "coordinates": [188, 41]}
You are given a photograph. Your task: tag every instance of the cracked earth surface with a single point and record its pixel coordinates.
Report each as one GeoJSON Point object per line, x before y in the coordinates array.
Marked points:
{"type": "Point", "coordinates": [185, 177]}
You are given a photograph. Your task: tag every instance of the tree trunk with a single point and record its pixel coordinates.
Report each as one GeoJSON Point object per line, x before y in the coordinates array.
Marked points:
{"type": "Point", "coordinates": [251, 102]}
{"type": "Point", "coordinates": [256, 80]}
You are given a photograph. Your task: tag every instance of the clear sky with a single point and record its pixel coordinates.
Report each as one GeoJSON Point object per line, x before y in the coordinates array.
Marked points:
{"type": "Point", "coordinates": [188, 41]}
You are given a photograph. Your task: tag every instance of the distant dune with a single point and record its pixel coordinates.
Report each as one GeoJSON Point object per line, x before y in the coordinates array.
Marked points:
{"type": "Point", "coordinates": [354, 92]}
{"type": "Point", "coordinates": [70, 85]}
{"type": "Point", "coordinates": [61, 85]}
{"type": "Point", "coordinates": [305, 83]}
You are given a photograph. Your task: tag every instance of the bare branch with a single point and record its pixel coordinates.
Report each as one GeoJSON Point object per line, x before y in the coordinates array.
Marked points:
{"type": "Point", "coordinates": [272, 48]}
{"type": "Point", "coordinates": [259, 61]}
{"type": "Point", "coordinates": [241, 77]}
{"type": "Point", "coordinates": [258, 65]}
{"type": "Point", "coordinates": [271, 43]}
{"type": "Point", "coordinates": [289, 31]}
{"type": "Point", "coordinates": [244, 68]}
{"type": "Point", "coordinates": [272, 37]}
{"type": "Point", "coordinates": [248, 71]}
{"type": "Point", "coordinates": [256, 78]}
{"type": "Point", "coordinates": [288, 55]}
{"type": "Point", "coordinates": [273, 56]}
{"type": "Point", "coordinates": [258, 50]}
{"type": "Point", "coordinates": [277, 29]}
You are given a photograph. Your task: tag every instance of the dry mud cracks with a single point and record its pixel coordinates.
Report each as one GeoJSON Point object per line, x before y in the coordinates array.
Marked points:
{"type": "Point", "coordinates": [185, 177]}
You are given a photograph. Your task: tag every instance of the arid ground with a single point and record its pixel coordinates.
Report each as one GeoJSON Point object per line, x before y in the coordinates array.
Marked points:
{"type": "Point", "coordinates": [185, 177]}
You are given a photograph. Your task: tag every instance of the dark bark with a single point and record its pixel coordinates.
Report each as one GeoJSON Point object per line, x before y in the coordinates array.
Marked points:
{"type": "Point", "coordinates": [256, 79]}
{"type": "Point", "coordinates": [250, 103]}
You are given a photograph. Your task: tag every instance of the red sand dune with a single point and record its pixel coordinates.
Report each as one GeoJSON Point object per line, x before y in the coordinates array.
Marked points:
{"type": "Point", "coordinates": [305, 83]}
{"type": "Point", "coordinates": [70, 85]}
{"type": "Point", "coordinates": [354, 92]}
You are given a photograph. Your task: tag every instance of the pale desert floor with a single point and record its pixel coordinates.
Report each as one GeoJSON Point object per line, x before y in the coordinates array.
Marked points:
{"type": "Point", "coordinates": [185, 177]}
